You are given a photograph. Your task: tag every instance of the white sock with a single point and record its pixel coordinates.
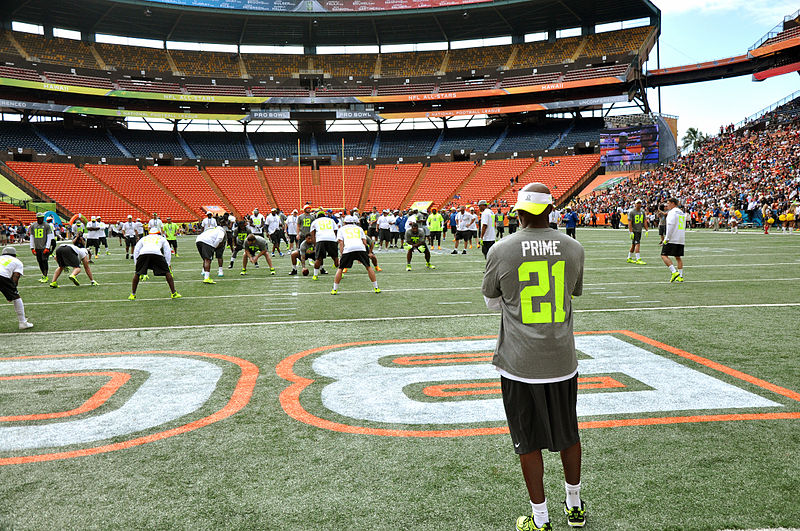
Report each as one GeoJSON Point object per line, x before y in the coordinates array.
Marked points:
{"type": "Point", "coordinates": [206, 274]}
{"type": "Point", "coordinates": [573, 494]}
{"type": "Point", "coordinates": [673, 269]}
{"type": "Point", "coordinates": [638, 257]}
{"type": "Point", "coordinates": [294, 267]}
{"type": "Point", "coordinates": [20, 309]}
{"type": "Point", "coordinates": [316, 272]}
{"type": "Point", "coordinates": [220, 270]}
{"type": "Point", "coordinates": [540, 516]}
{"type": "Point", "coordinates": [335, 285]}
{"type": "Point", "coordinates": [375, 284]}
{"type": "Point", "coordinates": [681, 272]}
{"type": "Point", "coordinates": [630, 254]}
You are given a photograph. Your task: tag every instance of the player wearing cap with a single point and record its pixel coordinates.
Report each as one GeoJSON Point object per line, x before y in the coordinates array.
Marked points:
{"type": "Point", "coordinates": [11, 270]}
{"type": "Point", "coordinates": [93, 232]}
{"type": "Point", "coordinates": [209, 244]}
{"type": "Point", "coordinates": [155, 223]}
{"type": "Point", "coordinates": [323, 234]}
{"type": "Point", "coordinates": [674, 240]}
{"type": "Point", "coordinates": [473, 228]}
{"type": "Point", "coordinates": [208, 223]}
{"type": "Point", "coordinates": [273, 222]}
{"type": "Point", "coordinates": [152, 253]}
{"type": "Point", "coordinates": [436, 224]}
{"type": "Point", "coordinates": [291, 230]}
{"type": "Point", "coordinates": [72, 255]}
{"type": "Point", "coordinates": [488, 233]}
{"type": "Point", "coordinates": [254, 248]}
{"type": "Point", "coordinates": [304, 222]}
{"type": "Point", "coordinates": [170, 232]}
{"type": "Point", "coordinates": [637, 220]}
{"type": "Point", "coordinates": [416, 241]}
{"type": "Point", "coordinates": [257, 221]}
{"type": "Point", "coordinates": [42, 244]}
{"type": "Point", "coordinates": [385, 221]}
{"type": "Point", "coordinates": [530, 278]}
{"type": "Point", "coordinates": [353, 247]}
{"type": "Point", "coordinates": [129, 232]}
{"type": "Point", "coordinates": [139, 229]}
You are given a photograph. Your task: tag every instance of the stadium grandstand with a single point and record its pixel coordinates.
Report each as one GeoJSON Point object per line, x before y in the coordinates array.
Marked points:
{"type": "Point", "coordinates": [475, 109]}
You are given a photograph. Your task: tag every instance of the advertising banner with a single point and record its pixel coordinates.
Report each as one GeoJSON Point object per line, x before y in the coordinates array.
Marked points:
{"type": "Point", "coordinates": [318, 6]}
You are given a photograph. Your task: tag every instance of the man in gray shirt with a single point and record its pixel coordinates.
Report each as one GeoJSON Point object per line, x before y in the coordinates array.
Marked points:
{"type": "Point", "coordinates": [531, 276]}
{"type": "Point", "coordinates": [637, 220]}
{"type": "Point", "coordinates": [304, 222]}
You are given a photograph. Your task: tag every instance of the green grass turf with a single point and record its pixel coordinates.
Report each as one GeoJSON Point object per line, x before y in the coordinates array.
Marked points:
{"type": "Point", "coordinates": [262, 469]}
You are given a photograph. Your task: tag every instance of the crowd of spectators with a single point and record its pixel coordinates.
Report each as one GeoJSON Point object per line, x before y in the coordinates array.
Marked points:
{"type": "Point", "coordinates": [733, 174]}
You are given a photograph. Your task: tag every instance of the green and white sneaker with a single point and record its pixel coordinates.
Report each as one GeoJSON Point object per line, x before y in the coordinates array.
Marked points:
{"type": "Point", "coordinates": [54, 284]}
{"type": "Point", "coordinates": [376, 290]}
{"type": "Point", "coordinates": [408, 268]}
{"type": "Point", "coordinates": [576, 516]}
{"type": "Point", "coordinates": [679, 279]}
{"type": "Point", "coordinates": [640, 261]}
{"type": "Point", "coordinates": [244, 272]}
{"type": "Point", "coordinates": [314, 277]}
{"type": "Point", "coordinates": [430, 266]}
{"type": "Point", "coordinates": [675, 276]}
{"type": "Point", "coordinates": [526, 523]}
{"type": "Point", "coordinates": [208, 281]}
{"type": "Point", "coordinates": [131, 297]}
{"type": "Point", "coordinates": [74, 280]}
{"type": "Point", "coordinates": [43, 279]}
{"type": "Point", "coordinates": [334, 292]}
{"type": "Point", "coordinates": [272, 271]}
{"type": "Point", "coordinates": [175, 295]}
{"type": "Point", "coordinates": [631, 261]}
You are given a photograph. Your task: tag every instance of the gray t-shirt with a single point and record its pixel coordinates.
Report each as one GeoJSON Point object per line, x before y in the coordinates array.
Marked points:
{"type": "Point", "coordinates": [306, 249]}
{"type": "Point", "coordinates": [260, 243]}
{"type": "Point", "coordinates": [304, 222]}
{"type": "Point", "coordinates": [636, 219]}
{"type": "Point", "coordinates": [535, 272]}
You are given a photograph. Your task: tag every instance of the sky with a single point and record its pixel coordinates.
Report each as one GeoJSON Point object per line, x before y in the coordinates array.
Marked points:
{"type": "Point", "coordinates": [694, 31]}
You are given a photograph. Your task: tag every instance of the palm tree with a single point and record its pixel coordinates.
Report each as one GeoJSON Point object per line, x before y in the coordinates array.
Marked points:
{"type": "Point", "coordinates": [692, 139]}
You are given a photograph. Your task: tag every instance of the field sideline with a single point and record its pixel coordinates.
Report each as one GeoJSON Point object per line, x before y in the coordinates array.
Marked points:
{"type": "Point", "coordinates": [265, 402]}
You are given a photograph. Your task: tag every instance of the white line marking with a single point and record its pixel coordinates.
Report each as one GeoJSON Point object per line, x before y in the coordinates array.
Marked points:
{"type": "Point", "coordinates": [626, 297]}
{"type": "Point", "coordinates": [459, 302]}
{"type": "Point", "coordinates": [396, 318]}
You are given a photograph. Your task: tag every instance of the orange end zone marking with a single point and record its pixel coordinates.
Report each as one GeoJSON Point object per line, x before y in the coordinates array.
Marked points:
{"type": "Point", "coordinates": [493, 388]}
{"type": "Point", "coordinates": [118, 379]}
{"type": "Point", "coordinates": [239, 398]}
{"type": "Point", "coordinates": [439, 359]}
{"type": "Point", "coordinates": [290, 397]}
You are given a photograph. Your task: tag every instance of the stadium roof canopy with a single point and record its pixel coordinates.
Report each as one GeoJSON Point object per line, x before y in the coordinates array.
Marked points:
{"type": "Point", "coordinates": [155, 20]}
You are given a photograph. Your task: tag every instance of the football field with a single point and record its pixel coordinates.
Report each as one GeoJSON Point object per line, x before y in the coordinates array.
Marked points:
{"type": "Point", "coordinates": [264, 402]}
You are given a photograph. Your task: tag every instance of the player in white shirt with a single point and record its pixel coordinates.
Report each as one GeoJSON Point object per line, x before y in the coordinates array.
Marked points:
{"type": "Point", "coordinates": [209, 222]}
{"type": "Point", "coordinates": [72, 255]}
{"type": "Point", "coordinates": [155, 223]}
{"type": "Point", "coordinates": [353, 247]}
{"type": "Point", "coordinates": [211, 243]}
{"type": "Point", "coordinates": [152, 253]}
{"type": "Point", "coordinates": [323, 233]}
{"type": "Point", "coordinates": [674, 240]}
{"type": "Point", "coordinates": [102, 233]}
{"type": "Point", "coordinates": [473, 227]}
{"type": "Point", "coordinates": [11, 269]}
{"type": "Point", "coordinates": [554, 218]}
{"type": "Point", "coordinates": [291, 230]}
{"type": "Point", "coordinates": [93, 233]}
{"type": "Point", "coordinates": [129, 233]}
{"type": "Point", "coordinates": [139, 229]}
{"type": "Point", "coordinates": [257, 221]}
{"type": "Point", "coordinates": [488, 234]}
{"type": "Point", "coordinates": [273, 222]}
{"type": "Point", "coordinates": [385, 229]}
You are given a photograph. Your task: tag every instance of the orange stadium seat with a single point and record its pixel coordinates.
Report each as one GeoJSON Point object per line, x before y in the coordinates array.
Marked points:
{"type": "Point", "coordinates": [560, 174]}
{"type": "Point", "coordinates": [441, 181]}
{"type": "Point", "coordinates": [390, 184]}
{"type": "Point", "coordinates": [491, 179]}
{"type": "Point", "coordinates": [331, 184]}
{"type": "Point", "coordinates": [138, 188]}
{"type": "Point", "coordinates": [74, 190]}
{"type": "Point", "coordinates": [188, 185]}
{"type": "Point", "coordinates": [242, 187]}
{"type": "Point", "coordinates": [13, 214]}
{"type": "Point", "coordinates": [283, 181]}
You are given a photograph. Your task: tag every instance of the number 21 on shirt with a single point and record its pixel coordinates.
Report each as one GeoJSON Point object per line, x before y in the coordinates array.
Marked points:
{"type": "Point", "coordinates": [545, 314]}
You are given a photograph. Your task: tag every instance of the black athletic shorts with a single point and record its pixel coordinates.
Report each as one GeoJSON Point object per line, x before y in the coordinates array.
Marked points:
{"type": "Point", "coordinates": [672, 249]}
{"type": "Point", "coordinates": [130, 240]}
{"type": "Point", "coordinates": [152, 262]}
{"type": "Point", "coordinates": [67, 257]}
{"type": "Point", "coordinates": [207, 252]}
{"type": "Point", "coordinates": [662, 230]}
{"type": "Point", "coordinates": [541, 415]}
{"type": "Point", "coordinates": [93, 242]}
{"type": "Point", "coordinates": [326, 249]}
{"type": "Point", "coordinates": [386, 235]}
{"type": "Point", "coordinates": [275, 237]}
{"type": "Point", "coordinates": [292, 238]}
{"type": "Point", "coordinates": [356, 256]}
{"type": "Point", "coordinates": [486, 246]}
{"type": "Point", "coordinates": [372, 232]}
{"type": "Point", "coordinates": [463, 235]}
{"type": "Point", "coordinates": [637, 238]}
{"type": "Point", "coordinates": [173, 244]}
{"type": "Point", "coordinates": [8, 289]}
{"type": "Point", "coordinates": [104, 241]}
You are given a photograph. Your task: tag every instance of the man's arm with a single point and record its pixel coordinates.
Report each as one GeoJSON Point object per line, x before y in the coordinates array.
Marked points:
{"type": "Point", "coordinates": [15, 277]}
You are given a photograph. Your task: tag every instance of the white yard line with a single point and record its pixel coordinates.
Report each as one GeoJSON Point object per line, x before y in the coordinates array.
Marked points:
{"type": "Point", "coordinates": [395, 318]}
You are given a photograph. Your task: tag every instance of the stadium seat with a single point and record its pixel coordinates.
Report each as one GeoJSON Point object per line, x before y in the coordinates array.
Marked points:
{"type": "Point", "coordinates": [12, 214]}
{"type": "Point", "coordinates": [390, 184]}
{"type": "Point", "coordinates": [441, 180]}
{"type": "Point", "coordinates": [75, 190]}
{"type": "Point", "coordinates": [242, 187]}
{"type": "Point", "coordinates": [492, 178]}
{"type": "Point", "coordinates": [138, 188]}
{"type": "Point", "coordinates": [188, 185]}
